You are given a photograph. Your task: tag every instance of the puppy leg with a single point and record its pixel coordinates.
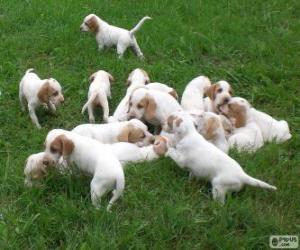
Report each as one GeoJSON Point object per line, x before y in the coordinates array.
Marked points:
{"type": "Point", "coordinates": [51, 107]}
{"type": "Point", "coordinates": [120, 185]}
{"type": "Point", "coordinates": [219, 193]}
{"type": "Point", "coordinates": [136, 49]}
{"type": "Point", "coordinates": [104, 103]}
{"type": "Point", "coordinates": [98, 189]}
{"type": "Point", "coordinates": [100, 47]}
{"type": "Point", "coordinates": [22, 100]}
{"type": "Point", "coordinates": [33, 116]}
{"type": "Point", "coordinates": [91, 113]}
{"type": "Point", "coordinates": [121, 48]}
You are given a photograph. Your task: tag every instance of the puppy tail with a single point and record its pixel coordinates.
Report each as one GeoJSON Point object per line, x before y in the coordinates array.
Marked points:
{"type": "Point", "coordinates": [89, 101]}
{"type": "Point", "coordinates": [117, 192]}
{"type": "Point", "coordinates": [138, 26]}
{"type": "Point", "coordinates": [257, 183]}
{"type": "Point", "coordinates": [29, 70]}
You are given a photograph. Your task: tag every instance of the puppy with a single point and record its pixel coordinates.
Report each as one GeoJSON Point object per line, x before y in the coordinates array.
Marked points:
{"type": "Point", "coordinates": [37, 92]}
{"type": "Point", "coordinates": [133, 131]}
{"type": "Point", "coordinates": [192, 97]}
{"type": "Point", "coordinates": [191, 151]}
{"type": "Point", "coordinates": [163, 88]}
{"type": "Point", "coordinates": [91, 157]}
{"type": "Point", "coordinates": [37, 166]}
{"type": "Point", "coordinates": [209, 125]}
{"type": "Point", "coordinates": [247, 135]}
{"type": "Point", "coordinates": [98, 92]}
{"type": "Point", "coordinates": [152, 106]}
{"type": "Point", "coordinates": [218, 95]}
{"type": "Point", "coordinates": [136, 78]}
{"type": "Point", "coordinates": [271, 129]}
{"type": "Point", "coordinates": [108, 35]}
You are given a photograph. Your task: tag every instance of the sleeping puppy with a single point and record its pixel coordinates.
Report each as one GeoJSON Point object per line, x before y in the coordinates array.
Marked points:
{"type": "Point", "coordinates": [136, 78]}
{"type": "Point", "coordinates": [218, 95]}
{"type": "Point", "coordinates": [247, 135]}
{"type": "Point", "coordinates": [93, 158]}
{"type": "Point", "coordinates": [108, 35]}
{"type": "Point", "coordinates": [192, 97]}
{"type": "Point", "coordinates": [163, 88]}
{"type": "Point", "coordinates": [37, 167]}
{"type": "Point", "coordinates": [133, 131]}
{"type": "Point", "coordinates": [98, 92]}
{"type": "Point", "coordinates": [202, 159]}
{"type": "Point", "coordinates": [37, 92]}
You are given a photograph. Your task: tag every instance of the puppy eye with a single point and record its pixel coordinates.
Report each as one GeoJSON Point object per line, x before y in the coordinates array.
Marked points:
{"type": "Point", "coordinates": [140, 106]}
{"type": "Point", "coordinates": [143, 136]}
{"type": "Point", "coordinates": [53, 150]}
{"type": "Point", "coordinates": [55, 93]}
{"type": "Point", "coordinates": [230, 92]}
{"type": "Point", "coordinates": [219, 90]}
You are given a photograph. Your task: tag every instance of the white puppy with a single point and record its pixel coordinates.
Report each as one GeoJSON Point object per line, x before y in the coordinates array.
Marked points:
{"type": "Point", "coordinates": [218, 95]}
{"type": "Point", "coordinates": [37, 166]}
{"type": "Point", "coordinates": [163, 88]}
{"type": "Point", "coordinates": [108, 35]}
{"type": "Point", "coordinates": [37, 92]}
{"type": "Point", "coordinates": [136, 78]}
{"type": "Point", "coordinates": [271, 129]}
{"type": "Point", "coordinates": [91, 157]}
{"type": "Point", "coordinates": [192, 97]}
{"type": "Point", "coordinates": [98, 92]}
{"type": "Point", "coordinates": [133, 131]}
{"type": "Point", "coordinates": [191, 151]}
{"type": "Point", "coordinates": [247, 135]}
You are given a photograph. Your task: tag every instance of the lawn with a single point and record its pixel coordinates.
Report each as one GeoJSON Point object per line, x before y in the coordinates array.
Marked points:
{"type": "Point", "coordinates": [252, 44]}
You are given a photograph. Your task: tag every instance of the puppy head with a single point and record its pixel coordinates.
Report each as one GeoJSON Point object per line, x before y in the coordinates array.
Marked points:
{"type": "Point", "coordinates": [51, 92]}
{"type": "Point", "coordinates": [160, 145]}
{"type": "Point", "coordinates": [91, 23]}
{"type": "Point", "coordinates": [138, 77]}
{"type": "Point", "coordinates": [220, 94]}
{"type": "Point", "coordinates": [208, 124]}
{"type": "Point", "coordinates": [237, 111]}
{"type": "Point", "coordinates": [179, 123]}
{"type": "Point", "coordinates": [102, 76]}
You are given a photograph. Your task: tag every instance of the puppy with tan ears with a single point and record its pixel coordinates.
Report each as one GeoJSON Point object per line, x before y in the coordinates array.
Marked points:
{"type": "Point", "coordinates": [37, 167]}
{"type": "Point", "coordinates": [133, 131]}
{"type": "Point", "coordinates": [37, 92]}
{"type": "Point", "coordinates": [92, 157]}
{"type": "Point", "coordinates": [136, 78]}
{"type": "Point", "coordinates": [202, 159]}
{"type": "Point", "coordinates": [218, 95]}
{"type": "Point", "coordinates": [108, 35]}
{"type": "Point", "coordinates": [192, 97]}
{"type": "Point", "coordinates": [99, 91]}
{"type": "Point", "coordinates": [247, 135]}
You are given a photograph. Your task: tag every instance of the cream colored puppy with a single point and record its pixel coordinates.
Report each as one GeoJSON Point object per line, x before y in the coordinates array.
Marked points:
{"type": "Point", "coordinates": [37, 92]}
{"type": "Point", "coordinates": [92, 157]}
{"type": "Point", "coordinates": [192, 97]}
{"type": "Point", "coordinates": [99, 91]}
{"type": "Point", "coordinates": [202, 159]}
{"type": "Point", "coordinates": [108, 35]}
{"type": "Point", "coordinates": [133, 131]}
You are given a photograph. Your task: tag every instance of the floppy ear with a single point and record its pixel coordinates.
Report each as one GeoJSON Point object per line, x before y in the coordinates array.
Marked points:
{"type": "Point", "coordinates": [240, 118]}
{"type": "Point", "coordinates": [93, 24]}
{"type": "Point", "coordinates": [178, 121]}
{"type": "Point", "coordinates": [174, 94]}
{"type": "Point", "coordinates": [124, 135]}
{"type": "Point", "coordinates": [150, 107]}
{"type": "Point", "coordinates": [110, 77]}
{"type": "Point", "coordinates": [43, 93]}
{"type": "Point", "coordinates": [147, 79]}
{"type": "Point", "coordinates": [210, 92]}
{"type": "Point", "coordinates": [62, 145]}
{"type": "Point", "coordinates": [92, 77]}
{"type": "Point", "coordinates": [135, 134]}
{"type": "Point", "coordinates": [212, 125]}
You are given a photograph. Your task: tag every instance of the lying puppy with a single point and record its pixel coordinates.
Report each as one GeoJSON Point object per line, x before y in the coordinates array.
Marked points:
{"type": "Point", "coordinates": [91, 157]}
{"type": "Point", "coordinates": [163, 88]}
{"type": "Point", "coordinates": [209, 125]}
{"type": "Point", "coordinates": [190, 150]}
{"type": "Point", "coordinates": [192, 97]}
{"type": "Point", "coordinates": [37, 166]}
{"type": "Point", "coordinates": [37, 92]}
{"type": "Point", "coordinates": [98, 92]}
{"type": "Point", "coordinates": [152, 106]}
{"type": "Point", "coordinates": [271, 129]}
{"type": "Point", "coordinates": [136, 78]}
{"type": "Point", "coordinates": [218, 95]}
{"type": "Point", "coordinates": [247, 135]}
{"type": "Point", "coordinates": [108, 35]}
{"type": "Point", "coordinates": [133, 131]}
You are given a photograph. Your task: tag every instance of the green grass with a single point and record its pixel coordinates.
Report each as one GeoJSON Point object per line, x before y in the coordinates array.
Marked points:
{"type": "Point", "coordinates": [252, 44]}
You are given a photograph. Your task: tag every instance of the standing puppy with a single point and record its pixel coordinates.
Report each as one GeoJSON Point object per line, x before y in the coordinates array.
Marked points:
{"type": "Point", "coordinates": [37, 92]}
{"type": "Point", "coordinates": [98, 92]}
{"type": "Point", "coordinates": [108, 35]}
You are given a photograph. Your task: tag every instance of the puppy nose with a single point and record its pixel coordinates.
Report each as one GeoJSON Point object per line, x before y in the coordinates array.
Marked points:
{"type": "Point", "coordinates": [62, 99]}
{"type": "Point", "coordinates": [131, 117]}
{"type": "Point", "coordinates": [152, 139]}
{"type": "Point", "coordinates": [226, 100]}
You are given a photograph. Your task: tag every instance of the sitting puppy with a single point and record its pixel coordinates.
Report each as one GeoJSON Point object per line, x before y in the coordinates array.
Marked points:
{"type": "Point", "coordinates": [108, 35]}
{"type": "Point", "coordinates": [163, 88]}
{"type": "Point", "coordinates": [209, 125]}
{"type": "Point", "coordinates": [37, 92]}
{"type": "Point", "coordinates": [192, 97]}
{"type": "Point", "coordinates": [133, 131]}
{"type": "Point", "coordinates": [191, 151]}
{"type": "Point", "coordinates": [136, 78]}
{"type": "Point", "coordinates": [247, 135]}
{"type": "Point", "coordinates": [271, 129]}
{"type": "Point", "coordinates": [218, 95]}
{"type": "Point", "coordinates": [98, 92]}
{"type": "Point", "coordinates": [91, 157]}
{"type": "Point", "coordinates": [37, 166]}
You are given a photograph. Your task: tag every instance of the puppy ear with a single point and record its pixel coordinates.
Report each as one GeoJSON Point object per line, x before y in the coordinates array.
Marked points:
{"type": "Point", "coordinates": [178, 122]}
{"type": "Point", "coordinates": [62, 145]}
{"type": "Point", "coordinates": [43, 93]}
{"type": "Point", "coordinates": [174, 94]}
{"type": "Point", "coordinates": [211, 91]}
{"type": "Point", "coordinates": [147, 79]}
{"type": "Point", "coordinates": [93, 24]}
{"type": "Point", "coordinates": [211, 125]}
{"type": "Point", "coordinates": [240, 118]}
{"type": "Point", "coordinates": [123, 136]}
{"type": "Point", "coordinates": [111, 78]}
{"type": "Point", "coordinates": [92, 77]}
{"type": "Point", "coordinates": [135, 134]}
{"type": "Point", "coordinates": [150, 107]}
